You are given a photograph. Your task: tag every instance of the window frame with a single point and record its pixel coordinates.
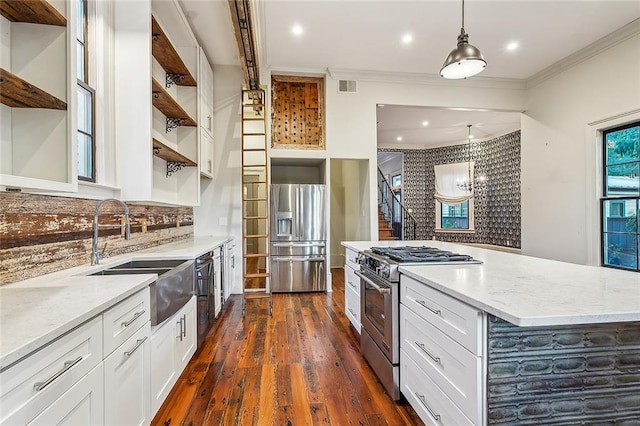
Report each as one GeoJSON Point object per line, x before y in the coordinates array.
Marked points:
{"type": "Point", "coordinates": [605, 197]}
{"type": "Point", "coordinates": [84, 84]}
{"type": "Point", "coordinates": [470, 230]}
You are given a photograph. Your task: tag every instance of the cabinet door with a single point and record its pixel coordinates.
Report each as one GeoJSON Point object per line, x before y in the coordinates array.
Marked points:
{"type": "Point", "coordinates": [163, 362]}
{"type": "Point", "coordinates": [126, 381]}
{"type": "Point", "coordinates": [206, 154]}
{"type": "Point", "coordinates": [217, 291]}
{"type": "Point", "coordinates": [83, 404]}
{"type": "Point", "coordinates": [186, 333]}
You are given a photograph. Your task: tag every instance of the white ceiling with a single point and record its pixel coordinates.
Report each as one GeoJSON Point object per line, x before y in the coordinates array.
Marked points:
{"type": "Point", "coordinates": [365, 35]}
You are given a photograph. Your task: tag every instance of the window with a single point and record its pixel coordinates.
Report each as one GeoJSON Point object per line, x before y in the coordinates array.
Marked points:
{"type": "Point", "coordinates": [621, 201]}
{"type": "Point", "coordinates": [454, 200]}
{"type": "Point", "coordinates": [86, 120]}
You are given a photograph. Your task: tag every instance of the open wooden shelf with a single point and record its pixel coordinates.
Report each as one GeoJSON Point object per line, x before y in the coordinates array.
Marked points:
{"type": "Point", "coordinates": [169, 107]}
{"type": "Point", "coordinates": [18, 93]}
{"type": "Point", "coordinates": [166, 55]}
{"type": "Point", "coordinates": [32, 11]}
{"type": "Point", "coordinates": [170, 155]}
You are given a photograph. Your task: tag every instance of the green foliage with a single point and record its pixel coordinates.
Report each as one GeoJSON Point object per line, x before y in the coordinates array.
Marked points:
{"type": "Point", "coordinates": [622, 147]}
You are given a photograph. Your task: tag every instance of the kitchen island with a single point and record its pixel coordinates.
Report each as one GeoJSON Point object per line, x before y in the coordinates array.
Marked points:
{"type": "Point", "coordinates": [518, 340]}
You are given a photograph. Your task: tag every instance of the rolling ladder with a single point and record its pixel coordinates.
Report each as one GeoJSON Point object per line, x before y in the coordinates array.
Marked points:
{"type": "Point", "coordinates": [255, 200]}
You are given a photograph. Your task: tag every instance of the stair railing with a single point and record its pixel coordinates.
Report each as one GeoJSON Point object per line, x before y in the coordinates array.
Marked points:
{"type": "Point", "coordinates": [393, 209]}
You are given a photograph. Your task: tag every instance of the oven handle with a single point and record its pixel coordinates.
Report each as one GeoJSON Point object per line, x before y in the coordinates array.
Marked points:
{"type": "Point", "coordinates": [379, 289]}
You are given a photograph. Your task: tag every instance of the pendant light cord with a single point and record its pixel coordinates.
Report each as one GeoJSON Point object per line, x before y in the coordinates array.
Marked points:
{"type": "Point", "coordinates": [463, 14]}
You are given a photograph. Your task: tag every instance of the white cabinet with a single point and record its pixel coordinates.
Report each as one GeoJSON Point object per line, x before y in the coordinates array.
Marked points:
{"type": "Point", "coordinates": [229, 269]}
{"type": "Point", "coordinates": [127, 379]}
{"type": "Point", "coordinates": [38, 101]}
{"type": "Point", "coordinates": [217, 280]}
{"type": "Point", "coordinates": [31, 386]}
{"type": "Point", "coordinates": [205, 110]}
{"type": "Point", "coordinates": [173, 343]}
{"type": "Point", "coordinates": [352, 290]}
{"type": "Point", "coordinates": [83, 404]}
{"type": "Point", "coordinates": [156, 97]}
{"type": "Point", "coordinates": [441, 355]}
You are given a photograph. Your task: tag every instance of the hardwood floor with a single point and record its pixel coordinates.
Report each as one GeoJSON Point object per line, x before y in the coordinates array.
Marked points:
{"type": "Point", "coordinates": [301, 366]}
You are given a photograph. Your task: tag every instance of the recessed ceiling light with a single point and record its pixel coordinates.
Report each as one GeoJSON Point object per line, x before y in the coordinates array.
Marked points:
{"type": "Point", "coordinates": [425, 123]}
{"type": "Point", "coordinates": [399, 138]}
{"type": "Point", "coordinates": [470, 136]}
{"type": "Point", "coordinates": [407, 38]}
{"type": "Point", "coordinates": [512, 46]}
{"type": "Point", "coordinates": [380, 105]}
{"type": "Point", "coordinates": [297, 30]}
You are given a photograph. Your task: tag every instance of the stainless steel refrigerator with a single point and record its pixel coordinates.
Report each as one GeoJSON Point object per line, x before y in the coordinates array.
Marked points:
{"type": "Point", "coordinates": [298, 238]}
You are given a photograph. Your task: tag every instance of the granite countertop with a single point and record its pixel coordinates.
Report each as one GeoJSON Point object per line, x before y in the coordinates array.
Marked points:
{"type": "Point", "coordinates": [528, 291]}
{"type": "Point", "coordinates": [36, 311]}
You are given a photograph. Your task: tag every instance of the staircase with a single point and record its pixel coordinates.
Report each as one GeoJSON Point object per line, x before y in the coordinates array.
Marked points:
{"type": "Point", "coordinates": [384, 232]}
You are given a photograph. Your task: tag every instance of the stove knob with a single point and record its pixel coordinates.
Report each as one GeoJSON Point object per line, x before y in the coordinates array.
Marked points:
{"type": "Point", "coordinates": [360, 259]}
{"type": "Point", "coordinates": [385, 271]}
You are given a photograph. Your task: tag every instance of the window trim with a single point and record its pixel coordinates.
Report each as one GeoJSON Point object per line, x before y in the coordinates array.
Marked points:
{"type": "Point", "coordinates": [470, 230]}
{"type": "Point", "coordinates": [605, 198]}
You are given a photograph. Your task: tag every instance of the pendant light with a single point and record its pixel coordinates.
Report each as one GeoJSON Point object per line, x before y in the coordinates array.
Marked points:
{"type": "Point", "coordinates": [465, 60]}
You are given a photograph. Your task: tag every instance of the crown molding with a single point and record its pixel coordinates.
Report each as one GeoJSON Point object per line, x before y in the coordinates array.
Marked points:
{"type": "Point", "coordinates": [424, 78]}
{"type": "Point", "coordinates": [620, 35]}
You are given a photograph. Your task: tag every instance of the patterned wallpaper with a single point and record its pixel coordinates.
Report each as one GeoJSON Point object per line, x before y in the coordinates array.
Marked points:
{"type": "Point", "coordinates": [496, 200]}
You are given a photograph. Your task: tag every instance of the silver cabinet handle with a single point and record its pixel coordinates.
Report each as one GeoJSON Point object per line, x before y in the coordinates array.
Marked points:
{"type": "Point", "coordinates": [135, 317]}
{"type": "Point", "coordinates": [67, 366]}
{"type": "Point", "coordinates": [139, 343]}
{"type": "Point", "coordinates": [352, 285]}
{"type": "Point", "coordinates": [183, 326]}
{"type": "Point", "coordinates": [434, 358]}
{"type": "Point", "coordinates": [435, 311]}
{"type": "Point", "coordinates": [379, 289]}
{"type": "Point", "coordinates": [180, 335]}
{"type": "Point", "coordinates": [351, 310]}
{"type": "Point", "coordinates": [424, 402]}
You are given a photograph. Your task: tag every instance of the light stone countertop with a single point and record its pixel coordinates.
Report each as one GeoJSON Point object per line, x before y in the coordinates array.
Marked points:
{"type": "Point", "coordinates": [528, 291]}
{"type": "Point", "coordinates": [36, 311]}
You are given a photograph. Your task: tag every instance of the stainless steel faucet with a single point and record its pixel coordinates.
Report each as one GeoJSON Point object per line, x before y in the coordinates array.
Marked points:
{"type": "Point", "coordinates": [95, 255]}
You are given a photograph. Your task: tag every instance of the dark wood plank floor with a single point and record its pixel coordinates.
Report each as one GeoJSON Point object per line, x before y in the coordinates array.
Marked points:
{"type": "Point", "coordinates": [301, 366]}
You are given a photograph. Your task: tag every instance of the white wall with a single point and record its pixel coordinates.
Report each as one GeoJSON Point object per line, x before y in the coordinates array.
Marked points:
{"type": "Point", "coordinates": [220, 210]}
{"type": "Point", "coordinates": [559, 151]}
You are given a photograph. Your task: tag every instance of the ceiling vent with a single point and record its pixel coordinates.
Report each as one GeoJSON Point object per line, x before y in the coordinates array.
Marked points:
{"type": "Point", "coordinates": [347, 86]}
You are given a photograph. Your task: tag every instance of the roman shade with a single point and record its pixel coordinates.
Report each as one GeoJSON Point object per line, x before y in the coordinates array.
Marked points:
{"type": "Point", "coordinates": [447, 178]}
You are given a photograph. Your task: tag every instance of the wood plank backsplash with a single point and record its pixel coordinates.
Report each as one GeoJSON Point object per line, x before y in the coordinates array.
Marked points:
{"type": "Point", "coordinates": [40, 234]}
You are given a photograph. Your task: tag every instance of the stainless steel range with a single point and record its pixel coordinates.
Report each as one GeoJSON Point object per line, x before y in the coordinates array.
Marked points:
{"type": "Point", "coordinates": [380, 305]}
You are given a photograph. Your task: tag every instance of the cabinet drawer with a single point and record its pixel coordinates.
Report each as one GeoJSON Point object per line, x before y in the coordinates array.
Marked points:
{"type": "Point", "coordinates": [31, 385]}
{"type": "Point", "coordinates": [453, 368]}
{"type": "Point", "coordinates": [351, 261]}
{"type": "Point", "coordinates": [454, 318]}
{"type": "Point", "coordinates": [352, 307]}
{"type": "Point", "coordinates": [351, 280]}
{"type": "Point", "coordinates": [426, 398]}
{"type": "Point", "coordinates": [124, 319]}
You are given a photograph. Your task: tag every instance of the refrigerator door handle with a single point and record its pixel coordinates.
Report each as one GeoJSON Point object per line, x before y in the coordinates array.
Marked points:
{"type": "Point", "coordinates": [298, 244]}
{"type": "Point", "coordinates": [298, 259]}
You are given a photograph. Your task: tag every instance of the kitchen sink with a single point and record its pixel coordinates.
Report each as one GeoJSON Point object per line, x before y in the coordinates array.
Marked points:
{"type": "Point", "coordinates": [170, 292]}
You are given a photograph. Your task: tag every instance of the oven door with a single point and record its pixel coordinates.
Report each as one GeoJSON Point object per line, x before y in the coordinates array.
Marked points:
{"type": "Point", "coordinates": [380, 314]}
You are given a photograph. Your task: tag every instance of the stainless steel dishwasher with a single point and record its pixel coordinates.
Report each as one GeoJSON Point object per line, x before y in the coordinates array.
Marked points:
{"type": "Point", "coordinates": [205, 292]}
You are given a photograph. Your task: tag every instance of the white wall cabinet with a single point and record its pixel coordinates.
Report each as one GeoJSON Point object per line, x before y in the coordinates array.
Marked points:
{"type": "Point", "coordinates": [352, 290]}
{"type": "Point", "coordinates": [37, 95]}
{"type": "Point", "coordinates": [173, 343]}
{"type": "Point", "coordinates": [156, 97]}
{"type": "Point", "coordinates": [205, 110]}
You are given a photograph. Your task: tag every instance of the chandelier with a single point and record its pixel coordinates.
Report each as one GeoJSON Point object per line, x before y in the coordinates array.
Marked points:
{"type": "Point", "coordinates": [467, 184]}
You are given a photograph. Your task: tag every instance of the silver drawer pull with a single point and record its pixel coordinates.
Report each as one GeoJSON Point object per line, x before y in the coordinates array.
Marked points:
{"type": "Point", "coordinates": [351, 310]}
{"type": "Point", "coordinates": [352, 285]}
{"type": "Point", "coordinates": [180, 335]}
{"type": "Point", "coordinates": [434, 358]}
{"type": "Point", "coordinates": [435, 311]}
{"type": "Point", "coordinates": [139, 343]}
{"type": "Point", "coordinates": [135, 317]}
{"type": "Point", "coordinates": [424, 402]}
{"type": "Point", "coordinates": [67, 365]}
